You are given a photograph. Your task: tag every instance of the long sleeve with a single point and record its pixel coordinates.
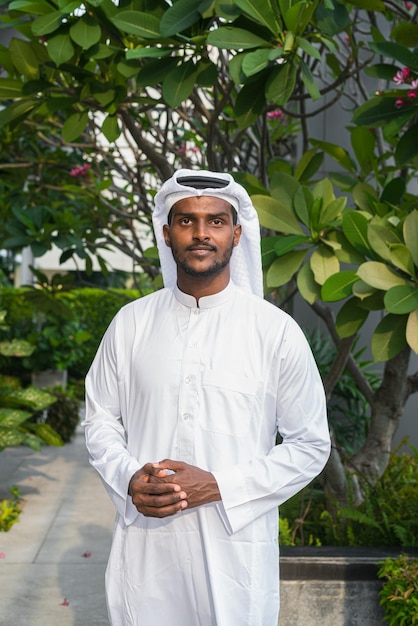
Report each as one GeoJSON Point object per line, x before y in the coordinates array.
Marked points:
{"type": "Point", "coordinates": [251, 489]}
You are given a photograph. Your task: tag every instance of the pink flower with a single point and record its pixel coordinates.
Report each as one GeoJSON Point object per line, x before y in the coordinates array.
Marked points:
{"type": "Point", "coordinates": [400, 102]}
{"type": "Point", "coordinates": [412, 94]}
{"type": "Point", "coordinates": [408, 5]}
{"type": "Point", "coordinates": [64, 602]}
{"type": "Point", "coordinates": [80, 170]}
{"type": "Point", "coordinates": [414, 83]}
{"type": "Point", "coordinates": [275, 115]}
{"type": "Point", "coordinates": [86, 555]}
{"type": "Point", "coordinates": [2, 555]}
{"type": "Point", "coordinates": [402, 76]}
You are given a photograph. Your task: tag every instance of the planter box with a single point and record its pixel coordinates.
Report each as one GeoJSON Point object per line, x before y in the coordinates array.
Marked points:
{"type": "Point", "coordinates": [332, 586]}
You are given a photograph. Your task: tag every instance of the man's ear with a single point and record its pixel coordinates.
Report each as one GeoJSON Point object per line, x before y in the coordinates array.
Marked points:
{"type": "Point", "coordinates": [166, 234]}
{"type": "Point", "coordinates": [237, 234]}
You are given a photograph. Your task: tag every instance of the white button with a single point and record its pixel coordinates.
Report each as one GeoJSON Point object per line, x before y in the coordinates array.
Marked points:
{"type": "Point", "coordinates": [196, 312]}
{"type": "Point", "coordinates": [186, 416]}
{"type": "Point", "coordinates": [187, 380]}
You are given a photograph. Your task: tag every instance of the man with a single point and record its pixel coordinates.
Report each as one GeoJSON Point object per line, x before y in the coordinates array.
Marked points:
{"type": "Point", "coordinates": [185, 398]}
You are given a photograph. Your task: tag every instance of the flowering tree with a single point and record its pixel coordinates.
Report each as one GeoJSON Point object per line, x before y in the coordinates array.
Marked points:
{"type": "Point", "coordinates": [232, 85]}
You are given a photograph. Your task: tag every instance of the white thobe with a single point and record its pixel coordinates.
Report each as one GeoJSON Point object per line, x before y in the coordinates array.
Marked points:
{"type": "Point", "coordinates": [211, 386]}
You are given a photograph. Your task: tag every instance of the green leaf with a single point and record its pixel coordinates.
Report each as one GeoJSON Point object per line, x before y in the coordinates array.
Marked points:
{"type": "Point", "coordinates": [181, 15]}
{"type": "Point", "coordinates": [332, 211]}
{"type": "Point", "coordinates": [389, 337]}
{"type": "Point", "coordinates": [298, 16]}
{"type": "Point", "coordinates": [308, 164]}
{"type": "Point", "coordinates": [407, 148]}
{"type": "Point", "coordinates": [339, 286]}
{"type": "Point", "coordinates": [381, 70]}
{"type": "Point", "coordinates": [364, 196]}
{"type": "Point", "coordinates": [401, 258]}
{"type": "Point", "coordinates": [410, 233]}
{"type": "Point", "coordinates": [288, 243]}
{"type": "Point", "coordinates": [350, 318]}
{"type": "Point", "coordinates": [331, 21]}
{"type": "Point", "coordinates": [74, 126]}
{"type": "Point", "coordinates": [179, 83]}
{"type": "Point", "coordinates": [324, 264]}
{"type": "Point", "coordinates": [369, 5]}
{"type": "Point", "coordinates": [281, 83]}
{"type": "Point", "coordinates": [363, 291]}
{"type": "Point", "coordinates": [308, 288]}
{"type": "Point", "coordinates": [154, 72]}
{"type": "Point", "coordinates": [231, 38]}
{"type": "Point", "coordinates": [16, 347]}
{"type": "Point", "coordinates": [249, 104]}
{"type": "Point", "coordinates": [16, 110]}
{"type": "Point", "coordinates": [380, 110]}
{"type": "Point", "coordinates": [395, 51]}
{"type": "Point", "coordinates": [86, 32]}
{"type": "Point", "coordinates": [11, 418]}
{"type": "Point", "coordinates": [110, 128]}
{"type": "Point", "coordinates": [380, 238]}
{"type": "Point", "coordinates": [363, 142]}
{"type": "Point", "coordinates": [144, 25]}
{"type": "Point", "coordinates": [255, 62]}
{"type": "Point", "coordinates": [27, 56]}
{"type": "Point", "coordinates": [275, 216]}
{"type": "Point", "coordinates": [32, 398]}
{"type": "Point", "coordinates": [261, 12]}
{"type": "Point", "coordinates": [47, 24]}
{"type": "Point", "coordinates": [307, 47]}
{"type": "Point", "coordinates": [48, 434]}
{"type": "Point", "coordinates": [354, 227]}
{"type": "Point", "coordinates": [309, 81]}
{"type": "Point", "coordinates": [268, 255]}
{"type": "Point", "coordinates": [284, 268]}
{"type": "Point", "coordinates": [405, 34]}
{"type": "Point", "coordinates": [336, 152]}
{"type": "Point", "coordinates": [412, 331]}
{"type": "Point", "coordinates": [393, 191]}
{"type": "Point", "coordinates": [148, 52]}
{"type": "Point", "coordinates": [10, 88]}
{"type": "Point", "coordinates": [401, 299]}
{"type": "Point", "coordinates": [379, 276]}
{"type": "Point", "coordinates": [60, 49]}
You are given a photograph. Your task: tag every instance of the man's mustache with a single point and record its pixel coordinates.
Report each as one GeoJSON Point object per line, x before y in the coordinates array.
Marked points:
{"type": "Point", "coordinates": [201, 246]}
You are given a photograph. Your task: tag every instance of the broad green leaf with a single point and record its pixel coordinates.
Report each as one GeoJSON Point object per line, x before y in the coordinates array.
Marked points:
{"type": "Point", "coordinates": [48, 434]}
{"type": "Point", "coordinates": [231, 38]}
{"type": "Point", "coordinates": [380, 110]}
{"type": "Point", "coordinates": [381, 70]}
{"type": "Point", "coordinates": [181, 15]}
{"type": "Point", "coordinates": [364, 195]}
{"type": "Point", "coordinates": [394, 190]}
{"type": "Point", "coordinates": [389, 337]}
{"type": "Point", "coordinates": [369, 5]}
{"type": "Point", "coordinates": [261, 12]}
{"type": "Point", "coordinates": [148, 52]}
{"type": "Point", "coordinates": [47, 24]}
{"type": "Point", "coordinates": [249, 104]}
{"type": "Point", "coordinates": [60, 49]}
{"type": "Point", "coordinates": [110, 128]}
{"type": "Point", "coordinates": [401, 299]}
{"type": "Point", "coordinates": [12, 417]}
{"type": "Point", "coordinates": [207, 74]}
{"type": "Point", "coordinates": [324, 264]}
{"type": "Point", "coordinates": [339, 286]}
{"type": "Point", "coordinates": [283, 187]}
{"type": "Point", "coordinates": [179, 83]}
{"type": "Point", "coordinates": [154, 72]}
{"type": "Point", "coordinates": [302, 201]}
{"type": "Point", "coordinates": [10, 88]}
{"type": "Point", "coordinates": [284, 268]}
{"type": "Point", "coordinates": [412, 331]}
{"type": "Point", "coordinates": [86, 32]}
{"type": "Point", "coordinates": [401, 257]}
{"type": "Point", "coordinates": [405, 34]}
{"type": "Point", "coordinates": [354, 227]}
{"type": "Point", "coordinates": [27, 56]}
{"type": "Point", "coordinates": [10, 438]}
{"type": "Point", "coordinates": [144, 25]}
{"type": "Point", "coordinates": [16, 110]}
{"type": "Point", "coordinates": [380, 238]}
{"type": "Point", "coordinates": [350, 318]}
{"type": "Point", "coordinates": [74, 126]}
{"type": "Point", "coordinates": [288, 243]}
{"type": "Point", "coordinates": [268, 254]}
{"type": "Point", "coordinates": [256, 61]}
{"type": "Point", "coordinates": [29, 6]}
{"type": "Point", "coordinates": [363, 142]}
{"type": "Point", "coordinates": [407, 147]}
{"type": "Point", "coordinates": [275, 216]}
{"type": "Point", "coordinates": [362, 290]}
{"type": "Point", "coordinates": [397, 52]}
{"type": "Point", "coordinates": [298, 16]}
{"type": "Point", "coordinates": [32, 398]}
{"type": "Point", "coordinates": [380, 276]}
{"type": "Point", "coordinates": [308, 164]}
{"type": "Point", "coordinates": [307, 47]}
{"type": "Point", "coordinates": [410, 233]}
{"type": "Point", "coordinates": [332, 211]}
{"type": "Point", "coordinates": [16, 347]}
{"type": "Point", "coordinates": [309, 81]}
{"type": "Point", "coordinates": [308, 288]}
{"type": "Point", "coordinates": [281, 83]}
{"type": "Point", "coordinates": [345, 252]}
{"type": "Point", "coordinates": [336, 152]}
{"type": "Point", "coordinates": [331, 21]}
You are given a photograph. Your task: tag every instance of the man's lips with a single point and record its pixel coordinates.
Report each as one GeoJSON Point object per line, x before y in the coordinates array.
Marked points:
{"type": "Point", "coordinates": [201, 249]}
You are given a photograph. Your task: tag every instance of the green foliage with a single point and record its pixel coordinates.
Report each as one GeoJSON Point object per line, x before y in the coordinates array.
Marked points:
{"type": "Point", "coordinates": [62, 415]}
{"type": "Point", "coordinates": [10, 510]}
{"type": "Point", "coordinates": [399, 594]}
{"type": "Point", "coordinates": [387, 517]}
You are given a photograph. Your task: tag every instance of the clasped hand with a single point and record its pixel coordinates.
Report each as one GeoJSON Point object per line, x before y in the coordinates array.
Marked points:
{"type": "Point", "coordinates": [158, 493]}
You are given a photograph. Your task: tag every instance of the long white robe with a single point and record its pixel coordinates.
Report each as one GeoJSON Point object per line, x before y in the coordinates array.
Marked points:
{"type": "Point", "coordinates": [210, 386]}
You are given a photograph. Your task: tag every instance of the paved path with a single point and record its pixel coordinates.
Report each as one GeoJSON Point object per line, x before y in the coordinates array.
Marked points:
{"type": "Point", "coordinates": [53, 560]}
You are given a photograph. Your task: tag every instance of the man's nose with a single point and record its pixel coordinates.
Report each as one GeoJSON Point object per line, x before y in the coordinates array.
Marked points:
{"type": "Point", "coordinates": [200, 230]}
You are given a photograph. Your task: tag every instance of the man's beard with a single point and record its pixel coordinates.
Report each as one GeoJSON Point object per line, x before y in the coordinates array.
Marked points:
{"type": "Point", "coordinates": [217, 266]}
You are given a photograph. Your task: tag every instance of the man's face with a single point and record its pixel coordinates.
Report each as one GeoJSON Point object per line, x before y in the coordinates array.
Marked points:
{"type": "Point", "coordinates": [202, 235]}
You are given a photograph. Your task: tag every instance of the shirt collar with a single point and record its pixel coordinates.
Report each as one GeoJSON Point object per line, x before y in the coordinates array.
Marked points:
{"type": "Point", "coordinates": [206, 302]}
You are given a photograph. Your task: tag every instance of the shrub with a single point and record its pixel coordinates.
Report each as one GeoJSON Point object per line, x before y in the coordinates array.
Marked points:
{"type": "Point", "coordinates": [63, 414]}
{"type": "Point", "coordinates": [399, 594]}
{"type": "Point", "coordinates": [10, 510]}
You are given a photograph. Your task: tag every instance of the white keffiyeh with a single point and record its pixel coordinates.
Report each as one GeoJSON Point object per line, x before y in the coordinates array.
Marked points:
{"type": "Point", "coordinates": [246, 257]}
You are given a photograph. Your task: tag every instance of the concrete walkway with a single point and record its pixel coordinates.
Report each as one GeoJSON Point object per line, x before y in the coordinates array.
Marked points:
{"type": "Point", "coordinates": [53, 560]}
